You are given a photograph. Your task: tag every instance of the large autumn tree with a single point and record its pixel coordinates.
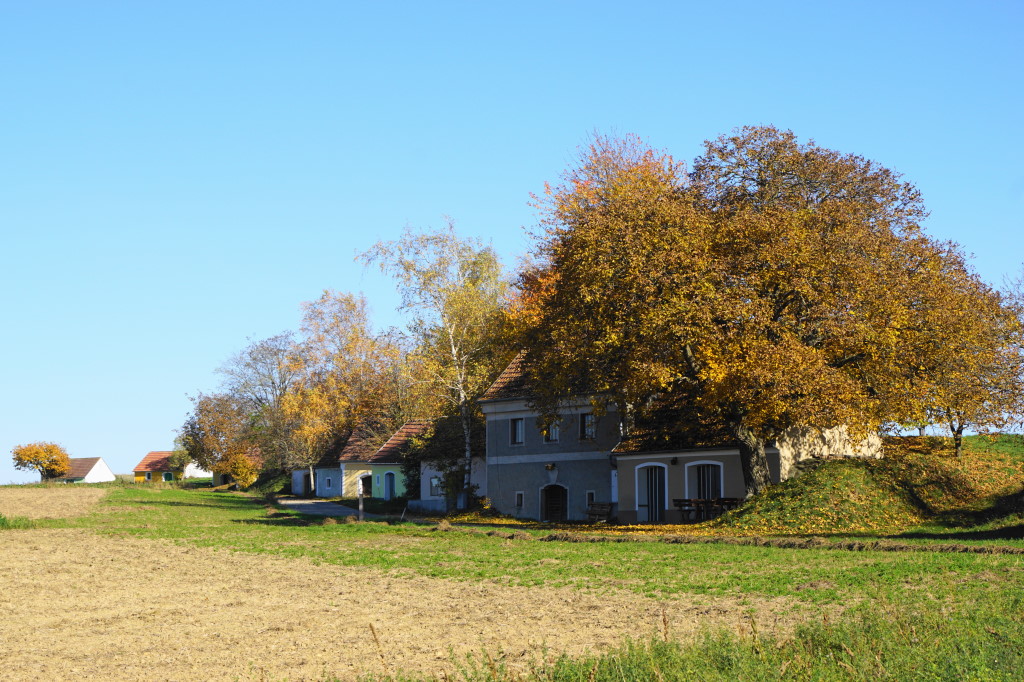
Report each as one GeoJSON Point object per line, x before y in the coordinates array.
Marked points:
{"type": "Point", "coordinates": [971, 365]}
{"type": "Point", "coordinates": [453, 290]}
{"type": "Point", "coordinates": [777, 285]}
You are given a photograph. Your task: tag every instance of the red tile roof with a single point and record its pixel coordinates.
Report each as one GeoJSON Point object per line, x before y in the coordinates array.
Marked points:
{"type": "Point", "coordinates": [511, 384]}
{"type": "Point", "coordinates": [154, 461]}
{"type": "Point", "coordinates": [359, 448]}
{"type": "Point", "coordinates": [80, 466]}
{"type": "Point", "coordinates": [365, 448]}
{"type": "Point", "coordinates": [396, 447]}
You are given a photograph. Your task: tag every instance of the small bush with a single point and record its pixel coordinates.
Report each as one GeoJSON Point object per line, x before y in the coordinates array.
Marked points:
{"type": "Point", "coordinates": [15, 523]}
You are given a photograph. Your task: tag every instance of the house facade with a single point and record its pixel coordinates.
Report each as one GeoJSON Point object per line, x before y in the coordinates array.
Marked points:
{"type": "Point", "coordinates": [155, 466]}
{"type": "Point", "coordinates": [432, 494]}
{"type": "Point", "coordinates": [555, 473]}
{"type": "Point", "coordinates": [362, 466]}
{"type": "Point", "coordinates": [86, 470]}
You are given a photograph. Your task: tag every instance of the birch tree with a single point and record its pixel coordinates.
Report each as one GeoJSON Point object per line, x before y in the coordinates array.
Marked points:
{"type": "Point", "coordinates": [453, 290]}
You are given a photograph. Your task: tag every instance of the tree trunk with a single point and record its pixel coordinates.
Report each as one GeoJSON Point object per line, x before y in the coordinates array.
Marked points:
{"type": "Point", "coordinates": [468, 443]}
{"type": "Point", "coordinates": [312, 481]}
{"type": "Point", "coordinates": [753, 460]}
{"type": "Point", "coordinates": [956, 428]}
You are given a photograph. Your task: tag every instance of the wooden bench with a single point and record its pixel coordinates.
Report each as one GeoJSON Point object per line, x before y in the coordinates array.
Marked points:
{"type": "Point", "coordinates": [599, 511]}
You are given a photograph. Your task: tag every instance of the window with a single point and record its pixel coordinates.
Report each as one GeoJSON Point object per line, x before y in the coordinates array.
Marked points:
{"type": "Point", "coordinates": [435, 486]}
{"type": "Point", "coordinates": [149, 475]}
{"type": "Point", "coordinates": [551, 434]}
{"type": "Point", "coordinates": [591, 497]}
{"type": "Point", "coordinates": [516, 432]}
{"type": "Point", "coordinates": [328, 484]}
{"type": "Point", "coordinates": [519, 499]}
{"type": "Point", "coordinates": [168, 476]}
{"type": "Point", "coordinates": [587, 426]}
{"type": "Point", "coordinates": [704, 480]}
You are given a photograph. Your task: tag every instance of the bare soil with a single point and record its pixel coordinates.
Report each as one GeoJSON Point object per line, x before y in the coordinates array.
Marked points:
{"type": "Point", "coordinates": [76, 605]}
{"type": "Point", "coordinates": [57, 502]}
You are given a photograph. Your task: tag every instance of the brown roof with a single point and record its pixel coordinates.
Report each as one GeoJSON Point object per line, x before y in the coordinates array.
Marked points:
{"type": "Point", "coordinates": [80, 466]}
{"type": "Point", "coordinates": [392, 451]}
{"type": "Point", "coordinates": [511, 384]}
{"type": "Point", "coordinates": [359, 448]}
{"type": "Point", "coordinates": [154, 461]}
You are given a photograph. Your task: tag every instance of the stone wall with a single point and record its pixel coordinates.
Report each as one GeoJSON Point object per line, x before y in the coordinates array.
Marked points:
{"type": "Point", "coordinates": [797, 445]}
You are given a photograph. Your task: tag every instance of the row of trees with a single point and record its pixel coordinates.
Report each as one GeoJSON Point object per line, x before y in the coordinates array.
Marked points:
{"type": "Point", "coordinates": [288, 400]}
{"type": "Point", "coordinates": [775, 284]}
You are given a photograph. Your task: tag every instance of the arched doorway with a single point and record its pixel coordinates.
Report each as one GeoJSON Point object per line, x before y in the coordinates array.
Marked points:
{"type": "Point", "coordinates": [554, 502]}
{"type": "Point", "coordinates": [366, 485]}
{"type": "Point", "coordinates": [389, 485]}
{"type": "Point", "coordinates": [650, 493]}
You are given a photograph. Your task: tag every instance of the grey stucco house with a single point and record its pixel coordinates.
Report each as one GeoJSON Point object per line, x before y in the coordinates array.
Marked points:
{"type": "Point", "coordinates": [554, 474]}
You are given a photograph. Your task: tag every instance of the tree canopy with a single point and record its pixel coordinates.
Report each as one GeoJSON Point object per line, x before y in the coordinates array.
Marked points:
{"type": "Point", "coordinates": [778, 284]}
{"type": "Point", "coordinates": [49, 459]}
{"type": "Point", "coordinates": [455, 291]}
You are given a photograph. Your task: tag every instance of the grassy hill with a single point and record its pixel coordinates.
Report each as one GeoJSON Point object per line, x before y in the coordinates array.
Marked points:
{"type": "Point", "coordinates": [918, 484]}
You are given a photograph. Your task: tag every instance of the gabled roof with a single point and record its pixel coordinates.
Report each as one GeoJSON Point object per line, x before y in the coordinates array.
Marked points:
{"type": "Point", "coordinates": [80, 466]}
{"type": "Point", "coordinates": [363, 448]}
{"type": "Point", "coordinates": [511, 384]}
{"type": "Point", "coordinates": [155, 461]}
{"type": "Point", "coordinates": [396, 447]}
{"type": "Point", "coordinates": [359, 448]}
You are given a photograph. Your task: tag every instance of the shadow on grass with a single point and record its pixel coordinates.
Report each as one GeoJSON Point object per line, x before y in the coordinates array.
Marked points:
{"type": "Point", "coordinates": [1014, 532]}
{"type": "Point", "coordinates": [301, 521]}
{"type": "Point", "coordinates": [227, 502]}
{"type": "Point", "coordinates": [998, 518]}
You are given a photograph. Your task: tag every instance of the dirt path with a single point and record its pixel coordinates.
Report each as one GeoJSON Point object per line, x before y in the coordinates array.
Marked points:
{"type": "Point", "coordinates": [74, 605]}
{"type": "Point", "coordinates": [321, 508]}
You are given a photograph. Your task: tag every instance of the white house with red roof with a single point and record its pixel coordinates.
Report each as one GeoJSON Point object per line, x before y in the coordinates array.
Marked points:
{"type": "Point", "coordinates": [86, 470]}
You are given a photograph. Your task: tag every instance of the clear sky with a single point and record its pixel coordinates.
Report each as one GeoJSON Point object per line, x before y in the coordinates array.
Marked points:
{"type": "Point", "coordinates": [177, 177]}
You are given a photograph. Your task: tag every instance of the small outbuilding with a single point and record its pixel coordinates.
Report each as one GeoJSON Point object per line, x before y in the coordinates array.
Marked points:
{"type": "Point", "coordinates": [156, 466]}
{"type": "Point", "coordinates": [361, 467]}
{"type": "Point", "coordinates": [86, 470]}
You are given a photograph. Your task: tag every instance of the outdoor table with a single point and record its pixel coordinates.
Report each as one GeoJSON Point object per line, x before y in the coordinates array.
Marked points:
{"type": "Point", "coordinates": [702, 509]}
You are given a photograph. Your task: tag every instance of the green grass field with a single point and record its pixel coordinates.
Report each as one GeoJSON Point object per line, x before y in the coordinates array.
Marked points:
{"type": "Point", "coordinates": [932, 614]}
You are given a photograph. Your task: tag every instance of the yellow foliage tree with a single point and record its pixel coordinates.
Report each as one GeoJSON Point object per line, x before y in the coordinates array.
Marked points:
{"type": "Point", "coordinates": [243, 467]}
{"type": "Point", "coordinates": [218, 430]}
{"type": "Point", "coordinates": [49, 459]}
{"type": "Point", "coordinates": [454, 290]}
{"type": "Point", "coordinates": [779, 284]}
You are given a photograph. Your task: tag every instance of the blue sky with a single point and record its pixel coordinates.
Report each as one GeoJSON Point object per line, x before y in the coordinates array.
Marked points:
{"type": "Point", "coordinates": [177, 177]}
